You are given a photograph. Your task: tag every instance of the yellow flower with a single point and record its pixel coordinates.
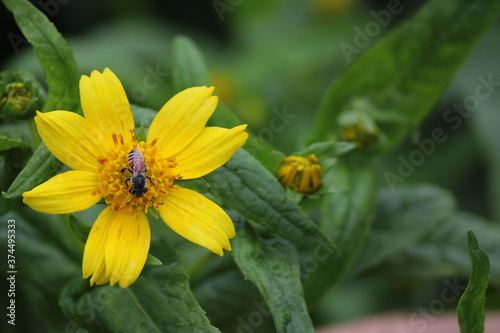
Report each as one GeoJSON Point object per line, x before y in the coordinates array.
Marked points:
{"type": "Point", "coordinates": [97, 148]}
{"type": "Point", "coordinates": [300, 174]}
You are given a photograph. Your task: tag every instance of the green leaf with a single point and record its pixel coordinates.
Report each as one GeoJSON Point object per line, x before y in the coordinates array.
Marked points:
{"type": "Point", "coordinates": [442, 253]}
{"type": "Point", "coordinates": [46, 258]}
{"type": "Point", "coordinates": [79, 228]}
{"type": "Point", "coordinates": [52, 51]}
{"type": "Point", "coordinates": [471, 305]}
{"type": "Point", "coordinates": [8, 204]}
{"type": "Point", "coordinates": [327, 153]}
{"type": "Point", "coordinates": [273, 266]}
{"type": "Point", "coordinates": [414, 64]}
{"type": "Point", "coordinates": [189, 70]}
{"type": "Point", "coordinates": [232, 303]}
{"type": "Point", "coordinates": [346, 217]}
{"type": "Point", "coordinates": [61, 74]}
{"type": "Point", "coordinates": [8, 143]}
{"type": "Point", "coordinates": [152, 261]}
{"type": "Point", "coordinates": [402, 218]}
{"type": "Point", "coordinates": [327, 149]}
{"type": "Point", "coordinates": [159, 301]}
{"type": "Point", "coordinates": [141, 134]}
{"type": "Point", "coordinates": [245, 186]}
{"type": "Point", "coordinates": [40, 167]}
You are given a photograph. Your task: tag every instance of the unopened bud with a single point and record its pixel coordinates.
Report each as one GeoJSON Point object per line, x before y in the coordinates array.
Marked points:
{"type": "Point", "coordinates": [20, 95]}
{"type": "Point", "coordinates": [301, 174]}
{"type": "Point", "coordinates": [358, 127]}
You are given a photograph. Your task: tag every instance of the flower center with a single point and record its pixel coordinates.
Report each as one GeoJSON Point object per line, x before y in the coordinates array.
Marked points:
{"type": "Point", "coordinates": [133, 177]}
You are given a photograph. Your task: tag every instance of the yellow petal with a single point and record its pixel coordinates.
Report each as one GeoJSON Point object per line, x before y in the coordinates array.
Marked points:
{"type": "Point", "coordinates": [181, 119]}
{"type": "Point", "coordinates": [93, 256]}
{"type": "Point", "coordinates": [305, 183]}
{"type": "Point", "coordinates": [67, 192]}
{"type": "Point", "coordinates": [209, 150]}
{"type": "Point", "coordinates": [198, 219]}
{"type": "Point", "coordinates": [105, 104]}
{"type": "Point", "coordinates": [71, 138]}
{"type": "Point", "coordinates": [127, 247]}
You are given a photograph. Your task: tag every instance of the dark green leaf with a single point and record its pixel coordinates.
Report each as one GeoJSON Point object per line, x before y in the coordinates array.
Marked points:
{"type": "Point", "coordinates": [159, 301]}
{"type": "Point", "coordinates": [8, 143]}
{"type": "Point", "coordinates": [486, 122]}
{"type": "Point", "coordinates": [8, 204]}
{"type": "Point", "coordinates": [199, 185]}
{"type": "Point", "coordinates": [327, 154]}
{"type": "Point", "coordinates": [414, 64]}
{"type": "Point", "coordinates": [346, 217]}
{"type": "Point", "coordinates": [328, 149]}
{"type": "Point", "coordinates": [141, 134]}
{"type": "Point", "coordinates": [46, 257]}
{"type": "Point", "coordinates": [232, 303]}
{"type": "Point", "coordinates": [273, 266]}
{"type": "Point", "coordinates": [443, 253]}
{"type": "Point", "coordinates": [403, 217]}
{"type": "Point", "coordinates": [189, 70]}
{"type": "Point", "coordinates": [61, 74]}
{"type": "Point", "coordinates": [471, 305]}
{"type": "Point", "coordinates": [152, 261]}
{"type": "Point", "coordinates": [41, 166]}
{"type": "Point", "coordinates": [52, 51]}
{"type": "Point", "coordinates": [79, 228]}
{"type": "Point", "coordinates": [245, 186]}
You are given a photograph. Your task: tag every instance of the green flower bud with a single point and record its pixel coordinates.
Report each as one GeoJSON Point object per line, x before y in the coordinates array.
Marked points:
{"type": "Point", "coordinates": [358, 127]}
{"type": "Point", "coordinates": [20, 95]}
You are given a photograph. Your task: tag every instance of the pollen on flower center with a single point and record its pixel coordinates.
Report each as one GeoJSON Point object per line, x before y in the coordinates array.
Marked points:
{"type": "Point", "coordinates": [117, 179]}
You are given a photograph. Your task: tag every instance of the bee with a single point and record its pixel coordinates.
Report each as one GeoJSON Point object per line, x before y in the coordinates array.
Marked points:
{"type": "Point", "coordinates": [137, 167]}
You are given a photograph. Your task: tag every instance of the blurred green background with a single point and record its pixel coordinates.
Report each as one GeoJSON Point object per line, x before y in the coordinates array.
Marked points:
{"type": "Point", "coordinates": [269, 56]}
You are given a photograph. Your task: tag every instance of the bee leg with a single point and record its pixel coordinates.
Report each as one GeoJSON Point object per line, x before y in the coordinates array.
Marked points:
{"type": "Point", "coordinates": [126, 169]}
{"type": "Point", "coordinates": [152, 183]}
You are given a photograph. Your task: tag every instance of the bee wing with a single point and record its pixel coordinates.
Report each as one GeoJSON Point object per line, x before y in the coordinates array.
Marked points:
{"type": "Point", "coordinates": [136, 160]}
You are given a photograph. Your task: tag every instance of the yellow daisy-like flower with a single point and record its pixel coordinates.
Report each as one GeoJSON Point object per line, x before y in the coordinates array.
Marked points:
{"type": "Point", "coordinates": [109, 163]}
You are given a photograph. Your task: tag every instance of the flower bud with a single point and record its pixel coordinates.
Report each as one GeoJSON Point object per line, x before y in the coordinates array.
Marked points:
{"type": "Point", "coordinates": [358, 127]}
{"type": "Point", "coordinates": [301, 174]}
{"type": "Point", "coordinates": [20, 95]}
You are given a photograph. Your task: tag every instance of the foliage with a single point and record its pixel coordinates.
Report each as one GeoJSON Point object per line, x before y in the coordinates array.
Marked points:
{"type": "Point", "coordinates": [291, 249]}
